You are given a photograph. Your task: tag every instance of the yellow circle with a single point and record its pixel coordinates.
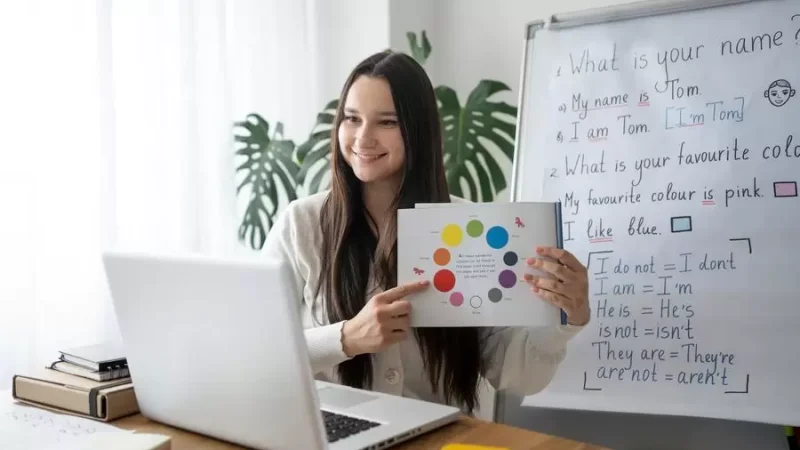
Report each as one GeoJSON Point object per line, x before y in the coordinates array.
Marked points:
{"type": "Point", "coordinates": [451, 235]}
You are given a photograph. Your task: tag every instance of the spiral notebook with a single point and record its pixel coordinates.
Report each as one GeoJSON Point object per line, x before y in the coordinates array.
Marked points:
{"type": "Point", "coordinates": [102, 357]}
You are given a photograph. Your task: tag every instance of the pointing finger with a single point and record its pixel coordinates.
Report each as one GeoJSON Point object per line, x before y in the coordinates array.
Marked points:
{"type": "Point", "coordinates": [401, 291]}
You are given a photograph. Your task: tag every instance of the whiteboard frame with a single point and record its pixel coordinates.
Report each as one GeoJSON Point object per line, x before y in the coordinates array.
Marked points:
{"type": "Point", "coordinates": [505, 404]}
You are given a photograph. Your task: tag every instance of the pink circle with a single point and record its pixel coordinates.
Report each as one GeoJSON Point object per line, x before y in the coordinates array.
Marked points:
{"type": "Point", "coordinates": [456, 298]}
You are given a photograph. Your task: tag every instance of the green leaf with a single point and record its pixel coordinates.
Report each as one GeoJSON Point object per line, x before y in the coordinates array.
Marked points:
{"type": "Point", "coordinates": [316, 150]}
{"type": "Point", "coordinates": [268, 169]}
{"type": "Point", "coordinates": [419, 52]}
{"type": "Point", "coordinates": [466, 132]}
{"type": "Point", "coordinates": [255, 223]}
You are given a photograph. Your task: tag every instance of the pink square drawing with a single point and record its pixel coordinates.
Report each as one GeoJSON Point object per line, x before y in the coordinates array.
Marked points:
{"type": "Point", "coordinates": [785, 188]}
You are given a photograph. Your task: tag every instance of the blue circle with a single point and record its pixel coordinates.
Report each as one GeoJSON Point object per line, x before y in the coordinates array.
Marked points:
{"type": "Point", "coordinates": [497, 237]}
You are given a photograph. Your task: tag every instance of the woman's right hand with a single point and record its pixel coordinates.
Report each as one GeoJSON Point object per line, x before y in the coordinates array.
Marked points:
{"type": "Point", "coordinates": [383, 321]}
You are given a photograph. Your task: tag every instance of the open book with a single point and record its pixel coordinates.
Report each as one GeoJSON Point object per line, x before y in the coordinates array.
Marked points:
{"type": "Point", "coordinates": [27, 427]}
{"type": "Point", "coordinates": [474, 255]}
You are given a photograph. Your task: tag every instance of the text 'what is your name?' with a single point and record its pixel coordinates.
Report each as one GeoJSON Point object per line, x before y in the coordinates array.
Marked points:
{"type": "Point", "coordinates": [607, 58]}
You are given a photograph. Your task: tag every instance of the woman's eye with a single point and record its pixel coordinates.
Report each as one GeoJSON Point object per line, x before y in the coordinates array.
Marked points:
{"type": "Point", "coordinates": [389, 122]}
{"type": "Point", "coordinates": [351, 118]}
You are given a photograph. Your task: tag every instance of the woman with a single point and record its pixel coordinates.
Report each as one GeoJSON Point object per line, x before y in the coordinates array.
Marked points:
{"type": "Point", "coordinates": [387, 154]}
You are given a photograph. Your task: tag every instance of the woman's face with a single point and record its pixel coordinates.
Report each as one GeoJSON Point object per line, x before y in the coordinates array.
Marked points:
{"type": "Point", "coordinates": [369, 135]}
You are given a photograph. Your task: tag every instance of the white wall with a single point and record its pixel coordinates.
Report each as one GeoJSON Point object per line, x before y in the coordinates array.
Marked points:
{"type": "Point", "coordinates": [478, 39]}
{"type": "Point", "coordinates": [349, 31]}
{"type": "Point", "coordinates": [413, 16]}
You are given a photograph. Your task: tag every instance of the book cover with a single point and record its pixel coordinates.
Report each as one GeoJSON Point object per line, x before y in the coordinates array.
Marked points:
{"type": "Point", "coordinates": [50, 389]}
{"type": "Point", "coordinates": [475, 255]}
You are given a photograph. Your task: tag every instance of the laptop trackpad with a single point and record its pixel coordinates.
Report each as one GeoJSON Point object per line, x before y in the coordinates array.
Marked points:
{"type": "Point", "coordinates": [342, 398]}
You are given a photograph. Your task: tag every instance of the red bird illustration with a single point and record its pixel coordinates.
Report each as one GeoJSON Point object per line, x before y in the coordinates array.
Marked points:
{"type": "Point", "coordinates": [418, 271]}
{"type": "Point", "coordinates": [519, 223]}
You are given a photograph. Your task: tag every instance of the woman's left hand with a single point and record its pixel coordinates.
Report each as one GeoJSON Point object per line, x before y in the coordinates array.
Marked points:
{"type": "Point", "coordinates": [568, 288]}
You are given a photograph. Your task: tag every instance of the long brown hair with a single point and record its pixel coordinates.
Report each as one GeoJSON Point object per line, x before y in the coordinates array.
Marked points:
{"type": "Point", "coordinates": [452, 356]}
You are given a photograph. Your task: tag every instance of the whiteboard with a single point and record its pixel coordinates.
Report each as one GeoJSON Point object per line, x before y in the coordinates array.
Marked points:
{"type": "Point", "coordinates": [672, 140]}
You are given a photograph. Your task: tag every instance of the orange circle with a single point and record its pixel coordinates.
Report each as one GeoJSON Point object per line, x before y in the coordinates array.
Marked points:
{"type": "Point", "coordinates": [441, 256]}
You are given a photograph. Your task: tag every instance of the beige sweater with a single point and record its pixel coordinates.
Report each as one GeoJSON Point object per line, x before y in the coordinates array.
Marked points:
{"type": "Point", "coordinates": [519, 360]}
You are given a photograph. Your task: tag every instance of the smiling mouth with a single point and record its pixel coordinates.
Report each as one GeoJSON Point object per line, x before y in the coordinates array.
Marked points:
{"type": "Point", "coordinates": [369, 157]}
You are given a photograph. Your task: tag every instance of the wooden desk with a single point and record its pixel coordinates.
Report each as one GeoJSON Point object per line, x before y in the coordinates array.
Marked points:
{"type": "Point", "coordinates": [465, 431]}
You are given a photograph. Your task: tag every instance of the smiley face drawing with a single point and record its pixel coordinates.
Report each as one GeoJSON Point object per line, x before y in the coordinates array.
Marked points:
{"type": "Point", "coordinates": [779, 92]}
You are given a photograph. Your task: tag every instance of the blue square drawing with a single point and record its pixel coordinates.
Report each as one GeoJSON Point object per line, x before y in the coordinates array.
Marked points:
{"type": "Point", "coordinates": [681, 224]}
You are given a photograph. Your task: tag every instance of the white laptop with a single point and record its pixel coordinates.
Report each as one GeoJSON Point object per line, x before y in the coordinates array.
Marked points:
{"type": "Point", "coordinates": [215, 346]}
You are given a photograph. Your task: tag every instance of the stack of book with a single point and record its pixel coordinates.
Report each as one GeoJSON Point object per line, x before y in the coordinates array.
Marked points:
{"type": "Point", "coordinates": [91, 381]}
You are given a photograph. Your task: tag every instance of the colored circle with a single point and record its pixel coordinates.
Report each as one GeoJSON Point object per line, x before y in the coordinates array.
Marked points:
{"type": "Point", "coordinates": [456, 298]}
{"type": "Point", "coordinates": [444, 280]}
{"type": "Point", "coordinates": [510, 258]}
{"type": "Point", "coordinates": [495, 295]}
{"type": "Point", "coordinates": [452, 235]}
{"type": "Point", "coordinates": [507, 279]}
{"type": "Point", "coordinates": [441, 256]}
{"type": "Point", "coordinates": [497, 237]}
{"type": "Point", "coordinates": [475, 301]}
{"type": "Point", "coordinates": [474, 228]}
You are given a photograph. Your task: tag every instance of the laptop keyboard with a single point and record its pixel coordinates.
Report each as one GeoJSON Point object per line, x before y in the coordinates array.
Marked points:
{"type": "Point", "coordinates": [338, 426]}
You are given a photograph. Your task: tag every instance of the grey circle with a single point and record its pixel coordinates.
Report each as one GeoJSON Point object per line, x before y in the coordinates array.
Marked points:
{"type": "Point", "coordinates": [475, 301]}
{"type": "Point", "coordinates": [495, 295]}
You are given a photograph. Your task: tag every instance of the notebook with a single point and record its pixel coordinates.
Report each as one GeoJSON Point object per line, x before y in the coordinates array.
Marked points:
{"type": "Point", "coordinates": [101, 357]}
{"type": "Point", "coordinates": [81, 371]}
{"type": "Point", "coordinates": [28, 427]}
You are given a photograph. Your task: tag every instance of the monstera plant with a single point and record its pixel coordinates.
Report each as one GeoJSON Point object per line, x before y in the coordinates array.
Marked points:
{"type": "Point", "coordinates": [268, 168]}
{"type": "Point", "coordinates": [314, 154]}
{"type": "Point", "coordinates": [475, 135]}
{"type": "Point", "coordinates": [463, 128]}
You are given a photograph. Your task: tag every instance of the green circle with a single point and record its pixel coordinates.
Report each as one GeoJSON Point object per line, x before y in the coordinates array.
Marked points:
{"type": "Point", "coordinates": [474, 228]}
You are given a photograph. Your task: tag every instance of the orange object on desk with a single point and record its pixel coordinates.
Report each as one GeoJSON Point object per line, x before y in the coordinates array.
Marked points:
{"type": "Point", "coordinates": [471, 447]}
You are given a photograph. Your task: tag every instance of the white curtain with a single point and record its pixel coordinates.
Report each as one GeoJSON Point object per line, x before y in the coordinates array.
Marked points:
{"type": "Point", "coordinates": [116, 129]}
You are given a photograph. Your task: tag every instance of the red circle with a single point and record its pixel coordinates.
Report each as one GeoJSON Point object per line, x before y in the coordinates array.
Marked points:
{"type": "Point", "coordinates": [444, 280]}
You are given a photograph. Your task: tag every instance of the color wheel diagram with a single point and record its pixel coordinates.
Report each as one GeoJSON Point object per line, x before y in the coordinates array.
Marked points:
{"type": "Point", "coordinates": [454, 236]}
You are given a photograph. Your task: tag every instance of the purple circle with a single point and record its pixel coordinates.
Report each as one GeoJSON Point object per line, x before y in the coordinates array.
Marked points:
{"type": "Point", "coordinates": [456, 298]}
{"type": "Point", "coordinates": [507, 279]}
